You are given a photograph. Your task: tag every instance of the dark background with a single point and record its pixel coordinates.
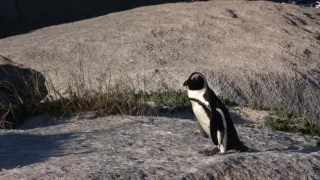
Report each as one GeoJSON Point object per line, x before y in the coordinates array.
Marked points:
{"type": "Point", "coordinates": [21, 16]}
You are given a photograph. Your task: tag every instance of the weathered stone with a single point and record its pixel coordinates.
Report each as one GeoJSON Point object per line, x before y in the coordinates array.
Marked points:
{"type": "Point", "coordinates": [6, 61]}
{"type": "Point", "coordinates": [124, 147]}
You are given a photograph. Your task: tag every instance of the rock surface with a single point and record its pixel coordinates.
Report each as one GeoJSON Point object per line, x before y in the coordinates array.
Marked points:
{"type": "Point", "coordinates": [127, 147]}
{"type": "Point", "coordinates": [6, 61]}
{"type": "Point", "coordinates": [261, 53]}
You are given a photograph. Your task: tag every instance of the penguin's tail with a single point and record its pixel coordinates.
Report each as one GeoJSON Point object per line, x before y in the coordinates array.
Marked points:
{"type": "Point", "coordinates": [241, 147]}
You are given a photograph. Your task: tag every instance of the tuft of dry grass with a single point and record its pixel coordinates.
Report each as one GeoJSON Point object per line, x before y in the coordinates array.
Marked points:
{"type": "Point", "coordinates": [105, 96]}
{"type": "Point", "coordinates": [75, 100]}
{"type": "Point", "coordinates": [79, 96]}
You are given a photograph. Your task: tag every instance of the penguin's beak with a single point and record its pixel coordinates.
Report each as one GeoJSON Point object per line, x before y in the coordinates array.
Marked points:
{"type": "Point", "coordinates": [186, 83]}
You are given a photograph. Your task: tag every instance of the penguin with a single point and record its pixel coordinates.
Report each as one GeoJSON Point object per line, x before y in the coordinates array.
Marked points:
{"type": "Point", "coordinates": [213, 118]}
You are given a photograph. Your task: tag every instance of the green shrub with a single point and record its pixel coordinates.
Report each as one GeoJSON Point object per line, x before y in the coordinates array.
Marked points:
{"type": "Point", "coordinates": [281, 120]}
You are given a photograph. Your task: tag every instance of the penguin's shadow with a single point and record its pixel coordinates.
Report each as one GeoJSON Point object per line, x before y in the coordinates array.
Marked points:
{"type": "Point", "coordinates": [305, 150]}
{"type": "Point", "coordinates": [236, 118]}
{"type": "Point", "coordinates": [186, 113]}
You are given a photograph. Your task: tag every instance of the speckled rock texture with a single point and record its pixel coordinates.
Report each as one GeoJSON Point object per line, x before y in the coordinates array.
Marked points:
{"type": "Point", "coordinates": [256, 52]}
{"type": "Point", "coordinates": [124, 147]}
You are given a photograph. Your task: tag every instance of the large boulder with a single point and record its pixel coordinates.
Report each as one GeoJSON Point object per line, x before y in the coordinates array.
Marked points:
{"type": "Point", "coordinates": [256, 52]}
{"type": "Point", "coordinates": [19, 85]}
{"type": "Point", "coordinates": [127, 147]}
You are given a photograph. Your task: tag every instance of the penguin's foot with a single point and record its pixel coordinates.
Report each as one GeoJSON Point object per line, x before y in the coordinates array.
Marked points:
{"type": "Point", "coordinates": [209, 152]}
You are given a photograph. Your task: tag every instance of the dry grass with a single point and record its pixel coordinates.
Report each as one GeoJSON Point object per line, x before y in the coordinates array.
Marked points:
{"type": "Point", "coordinates": [104, 96]}
{"type": "Point", "coordinates": [76, 99]}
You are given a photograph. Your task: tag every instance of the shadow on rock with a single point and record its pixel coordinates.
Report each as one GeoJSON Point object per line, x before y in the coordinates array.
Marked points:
{"type": "Point", "coordinates": [186, 113]}
{"type": "Point", "coordinates": [181, 112]}
{"type": "Point", "coordinates": [306, 150]}
{"type": "Point", "coordinates": [236, 118]}
{"type": "Point", "coordinates": [41, 121]}
{"type": "Point", "coordinates": [19, 87]}
{"type": "Point", "coordinates": [22, 149]}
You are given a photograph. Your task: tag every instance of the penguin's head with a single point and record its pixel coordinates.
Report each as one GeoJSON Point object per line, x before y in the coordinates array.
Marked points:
{"type": "Point", "coordinates": [196, 81]}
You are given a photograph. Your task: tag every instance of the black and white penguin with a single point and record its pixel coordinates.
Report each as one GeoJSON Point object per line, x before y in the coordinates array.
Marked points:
{"type": "Point", "coordinates": [212, 116]}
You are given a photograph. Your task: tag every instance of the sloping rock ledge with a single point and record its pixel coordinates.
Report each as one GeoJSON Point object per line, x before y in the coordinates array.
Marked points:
{"type": "Point", "coordinates": [150, 148]}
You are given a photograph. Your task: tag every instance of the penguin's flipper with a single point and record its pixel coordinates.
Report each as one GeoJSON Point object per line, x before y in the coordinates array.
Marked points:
{"type": "Point", "coordinates": [204, 134]}
{"type": "Point", "coordinates": [222, 129]}
{"type": "Point", "coordinates": [215, 126]}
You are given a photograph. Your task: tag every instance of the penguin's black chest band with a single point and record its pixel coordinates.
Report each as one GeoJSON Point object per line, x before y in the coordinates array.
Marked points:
{"type": "Point", "coordinates": [204, 106]}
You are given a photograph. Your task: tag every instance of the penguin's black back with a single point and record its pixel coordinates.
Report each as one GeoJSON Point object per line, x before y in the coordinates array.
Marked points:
{"type": "Point", "coordinates": [233, 141]}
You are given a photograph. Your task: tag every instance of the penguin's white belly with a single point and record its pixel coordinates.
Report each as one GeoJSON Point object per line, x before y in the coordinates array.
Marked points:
{"type": "Point", "coordinates": [202, 117]}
